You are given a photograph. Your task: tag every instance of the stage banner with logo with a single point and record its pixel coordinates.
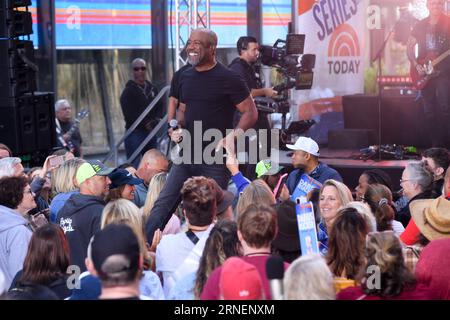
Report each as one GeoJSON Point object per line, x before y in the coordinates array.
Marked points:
{"type": "Point", "coordinates": [335, 33]}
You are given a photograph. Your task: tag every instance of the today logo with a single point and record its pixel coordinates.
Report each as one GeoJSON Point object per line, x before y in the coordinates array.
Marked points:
{"type": "Point", "coordinates": [344, 51]}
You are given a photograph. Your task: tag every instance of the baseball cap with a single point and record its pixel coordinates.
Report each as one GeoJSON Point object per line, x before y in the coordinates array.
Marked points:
{"type": "Point", "coordinates": [119, 177]}
{"type": "Point", "coordinates": [267, 167]}
{"type": "Point", "coordinates": [115, 249]}
{"type": "Point", "coordinates": [240, 280]}
{"type": "Point", "coordinates": [305, 144]}
{"type": "Point", "coordinates": [91, 168]}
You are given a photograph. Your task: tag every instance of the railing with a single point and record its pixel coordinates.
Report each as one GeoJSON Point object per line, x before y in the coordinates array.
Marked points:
{"type": "Point", "coordinates": [155, 130]}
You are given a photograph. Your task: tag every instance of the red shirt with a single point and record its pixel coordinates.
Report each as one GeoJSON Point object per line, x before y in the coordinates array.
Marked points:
{"type": "Point", "coordinates": [418, 292]}
{"type": "Point", "coordinates": [211, 291]}
{"type": "Point", "coordinates": [411, 234]}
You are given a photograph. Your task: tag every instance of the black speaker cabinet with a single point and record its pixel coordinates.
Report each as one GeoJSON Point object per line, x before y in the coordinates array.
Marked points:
{"type": "Point", "coordinates": [401, 118]}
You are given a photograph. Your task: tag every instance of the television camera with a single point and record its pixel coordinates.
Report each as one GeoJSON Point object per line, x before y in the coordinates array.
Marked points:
{"type": "Point", "coordinates": [296, 69]}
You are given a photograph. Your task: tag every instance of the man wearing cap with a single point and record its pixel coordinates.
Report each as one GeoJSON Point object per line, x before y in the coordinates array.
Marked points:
{"type": "Point", "coordinates": [115, 258]}
{"type": "Point", "coordinates": [80, 216]}
{"type": "Point", "coordinates": [305, 160]}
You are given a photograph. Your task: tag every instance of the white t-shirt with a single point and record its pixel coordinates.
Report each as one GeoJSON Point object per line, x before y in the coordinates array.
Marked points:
{"type": "Point", "coordinates": [397, 227]}
{"type": "Point", "coordinates": [170, 254]}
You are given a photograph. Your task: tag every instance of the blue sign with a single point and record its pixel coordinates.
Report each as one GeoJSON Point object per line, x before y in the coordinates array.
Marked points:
{"type": "Point", "coordinates": [304, 186]}
{"type": "Point", "coordinates": [307, 228]}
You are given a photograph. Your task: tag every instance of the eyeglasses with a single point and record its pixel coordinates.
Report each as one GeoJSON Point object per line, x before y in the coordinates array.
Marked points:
{"type": "Point", "coordinates": [404, 180]}
{"type": "Point", "coordinates": [140, 68]}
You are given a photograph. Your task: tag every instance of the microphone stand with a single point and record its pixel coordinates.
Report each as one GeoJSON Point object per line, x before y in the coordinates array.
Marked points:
{"type": "Point", "coordinates": [378, 58]}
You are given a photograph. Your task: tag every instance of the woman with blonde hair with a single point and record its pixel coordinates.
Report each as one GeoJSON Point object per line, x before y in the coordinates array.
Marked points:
{"type": "Point", "coordinates": [332, 196]}
{"type": "Point", "coordinates": [122, 211]}
{"type": "Point", "coordinates": [257, 192]}
{"type": "Point", "coordinates": [64, 185]}
{"type": "Point", "coordinates": [385, 275]}
{"type": "Point", "coordinates": [154, 189]}
{"type": "Point", "coordinates": [308, 278]}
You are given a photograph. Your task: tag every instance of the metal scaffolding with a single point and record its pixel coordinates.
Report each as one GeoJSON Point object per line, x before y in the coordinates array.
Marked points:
{"type": "Point", "coordinates": [189, 15]}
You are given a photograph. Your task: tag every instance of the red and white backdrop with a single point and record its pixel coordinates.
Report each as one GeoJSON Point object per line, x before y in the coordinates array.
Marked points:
{"type": "Point", "coordinates": [335, 32]}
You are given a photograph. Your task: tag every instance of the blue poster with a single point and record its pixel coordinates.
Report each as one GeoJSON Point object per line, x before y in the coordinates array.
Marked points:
{"type": "Point", "coordinates": [307, 228]}
{"type": "Point", "coordinates": [304, 186]}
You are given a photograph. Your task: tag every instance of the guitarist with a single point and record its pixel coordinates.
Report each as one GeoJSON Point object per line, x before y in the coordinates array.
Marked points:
{"type": "Point", "coordinates": [432, 36]}
{"type": "Point", "coordinates": [70, 141]}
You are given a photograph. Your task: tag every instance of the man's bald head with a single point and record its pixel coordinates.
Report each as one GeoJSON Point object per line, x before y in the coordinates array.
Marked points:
{"type": "Point", "coordinates": [153, 162]}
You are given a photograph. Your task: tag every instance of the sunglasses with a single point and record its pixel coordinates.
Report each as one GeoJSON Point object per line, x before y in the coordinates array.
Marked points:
{"type": "Point", "coordinates": [139, 68]}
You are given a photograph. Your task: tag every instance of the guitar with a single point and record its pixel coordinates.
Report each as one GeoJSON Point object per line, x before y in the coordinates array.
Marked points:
{"type": "Point", "coordinates": [68, 144]}
{"type": "Point", "coordinates": [428, 63]}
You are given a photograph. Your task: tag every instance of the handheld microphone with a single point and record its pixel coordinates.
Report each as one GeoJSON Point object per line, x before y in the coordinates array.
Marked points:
{"type": "Point", "coordinates": [275, 274]}
{"type": "Point", "coordinates": [174, 125]}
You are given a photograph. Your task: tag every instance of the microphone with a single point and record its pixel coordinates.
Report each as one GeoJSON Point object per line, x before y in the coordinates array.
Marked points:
{"type": "Point", "coordinates": [275, 274]}
{"type": "Point", "coordinates": [174, 125]}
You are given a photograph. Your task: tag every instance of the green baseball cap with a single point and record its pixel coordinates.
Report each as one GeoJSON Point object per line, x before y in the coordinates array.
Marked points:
{"type": "Point", "coordinates": [267, 167]}
{"type": "Point", "coordinates": [91, 168]}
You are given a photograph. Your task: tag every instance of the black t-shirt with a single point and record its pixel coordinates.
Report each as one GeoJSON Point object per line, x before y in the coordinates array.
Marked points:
{"type": "Point", "coordinates": [175, 83]}
{"type": "Point", "coordinates": [433, 39]}
{"type": "Point", "coordinates": [210, 97]}
{"type": "Point", "coordinates": [247, 72]}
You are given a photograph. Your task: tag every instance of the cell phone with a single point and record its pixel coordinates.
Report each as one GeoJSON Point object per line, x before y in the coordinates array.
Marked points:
{"type": "Point", "coordinates": [279, 187]}
{"type": "Point", "coordinates": [57, 161]}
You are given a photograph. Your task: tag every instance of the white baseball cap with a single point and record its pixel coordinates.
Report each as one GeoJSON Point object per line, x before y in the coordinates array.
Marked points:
{"type": "Point", "coordinates": [305, 144]}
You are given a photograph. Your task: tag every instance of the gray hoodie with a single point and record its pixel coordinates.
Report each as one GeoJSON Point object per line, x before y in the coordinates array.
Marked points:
{"type": "Point", "coordinates": [15, 235]}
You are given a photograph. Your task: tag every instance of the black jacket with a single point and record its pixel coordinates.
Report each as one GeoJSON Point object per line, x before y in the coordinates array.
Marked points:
{"type": "Point", "coordinates": [80, 219]}
{"type": "Point", "coordinates": [135, 99]}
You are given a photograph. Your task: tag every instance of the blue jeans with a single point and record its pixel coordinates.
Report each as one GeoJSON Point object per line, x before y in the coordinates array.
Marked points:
{"type": "Point", "coordinates": [134, 140]}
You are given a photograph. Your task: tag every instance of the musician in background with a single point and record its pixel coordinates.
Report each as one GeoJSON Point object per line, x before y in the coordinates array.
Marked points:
{"type": "Point", "coordinates": [432, 36]}
{"type": "Point", "coordinates": [245, 66]}
{"type": "Point", "coordinates": [67, 132]}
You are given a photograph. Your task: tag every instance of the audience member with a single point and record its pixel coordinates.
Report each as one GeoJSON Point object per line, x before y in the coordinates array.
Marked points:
{"type": "Point", "coordinates": [129, 167]}
{"type": "Point", "coordinates": [222, 243]}
{"type": "Point", "coordinates": [153, 162]}
{"type": "Point", "coordinates": [115, 257]}
{"type": "Point", "coordinates": [287, 241]}
{"type": "Point", "coordinates": [122, 211]}
{"type": "Point", "coordinates": [224, 199]}
{"type": "Point", "coordinates": [256, 192]}
{"type": "Point", "coordinates": [416, 183]}
{"type": "Point", "coordinates": [436, 161]}
{"type": "Point", "coordinates": [240, 280]}
{"type": "Point", "coordinates": [379, 199]}
{"type": "Point", "coordinates": [16, 199]}
{"type": "Point", "coordinates": [257, 227]}
{"type": "Point", "coordinates": [370, 177]}
{"type": "Point", "coordinates": [305, 159]}
{"type": "Point", "coordinates": [308, 278]}
{"type": "Point", "coordinates": [179, 254]}
{"type": "Point", "coordinates": [80, 216]}
{"type": "Point", "coordinates": [345, 255]}
{"type": "Point", "coordinates": [333, 195]}
{"type": "Point", "coordinates": [385, 275]}
{"type": "Point", "coordinates": [11, 167]}
{"type": "Point", "coordinates": [5, 151]}
{"type": "Point", "coordinates": [46, 262]}
{"type": "Point", "coordinates": [123, 185]}
{"type": "Point", "coordinates": [64, 185]}
{"type": "Point", "coordinates": [365, 211]}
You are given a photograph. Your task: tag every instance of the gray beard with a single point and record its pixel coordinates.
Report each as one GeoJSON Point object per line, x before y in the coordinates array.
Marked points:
{"type": "Point", "coordinates": [194, 61]}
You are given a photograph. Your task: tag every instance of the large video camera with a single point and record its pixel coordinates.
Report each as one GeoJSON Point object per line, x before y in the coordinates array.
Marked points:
{"type": "Point", "coordinates": [288, 58]}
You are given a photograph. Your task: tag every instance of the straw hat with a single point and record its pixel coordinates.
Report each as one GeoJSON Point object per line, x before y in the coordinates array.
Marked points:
{"type": "Point", "coordinates": [432, 217]}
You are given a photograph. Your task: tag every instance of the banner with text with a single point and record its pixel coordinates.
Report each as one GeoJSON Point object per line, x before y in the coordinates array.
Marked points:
{"type": "Point", "coordinates": [334, 32]}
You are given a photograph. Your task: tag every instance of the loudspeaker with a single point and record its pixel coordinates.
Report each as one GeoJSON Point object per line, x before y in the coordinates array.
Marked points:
{"type": "Point", "coordinates": [401, 118]}
{"type": "Point", "coordinates": [27, 124]}
{"type": "Point", "coordinates": [17, 126]}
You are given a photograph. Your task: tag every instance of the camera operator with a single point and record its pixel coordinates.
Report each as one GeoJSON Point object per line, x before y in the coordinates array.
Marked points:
{"type": "Point", "coordinates": [245, 66]}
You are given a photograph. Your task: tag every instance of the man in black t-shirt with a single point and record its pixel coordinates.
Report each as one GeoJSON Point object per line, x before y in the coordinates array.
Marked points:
{"type": "Point", "coordinates": [245, 66]}
{"type": "Point", "coordinates": [432, 35]}
{"type": "Point", "coordinates": [135, 98]}
{"type": "Point", "coordinates": [174, 97]}
{"type": "Point", "coordinates": [211, 93]}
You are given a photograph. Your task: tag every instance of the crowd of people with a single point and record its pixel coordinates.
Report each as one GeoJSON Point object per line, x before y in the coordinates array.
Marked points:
{"type": "Point", "coordinates": [76, 230]}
